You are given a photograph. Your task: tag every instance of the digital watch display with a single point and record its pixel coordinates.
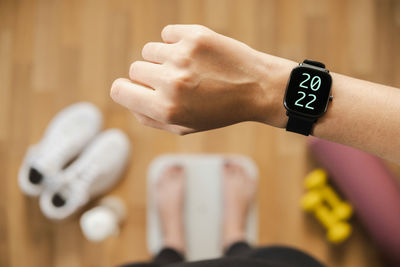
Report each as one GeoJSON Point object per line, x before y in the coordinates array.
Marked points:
{"type": "Point", "coordinates": [307, 96]}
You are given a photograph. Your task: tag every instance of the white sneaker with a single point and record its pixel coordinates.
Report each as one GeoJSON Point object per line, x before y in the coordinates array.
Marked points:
{"type": "Point", "coordinates": [65, 137]}
{"type": "Point", "coordinates": [96, 171]}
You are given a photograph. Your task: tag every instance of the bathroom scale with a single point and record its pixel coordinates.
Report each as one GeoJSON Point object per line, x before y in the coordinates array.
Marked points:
{"type": "Point", "coordinates": [203, 207]}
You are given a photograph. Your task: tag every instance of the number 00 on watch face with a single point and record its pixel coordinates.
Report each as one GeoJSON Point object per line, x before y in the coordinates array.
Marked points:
{"type": "Point", "coordinates": [308, 91]}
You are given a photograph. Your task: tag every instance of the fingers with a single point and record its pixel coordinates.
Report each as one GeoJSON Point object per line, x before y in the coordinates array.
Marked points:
{"type": "Point", "coordinates": [135, 97]}
{"type": "Point", "coordinates": [171, 34]}
{"type": "Point", "coordinates": [162, 126]}
{"type": "Point", "coordinates": [147, 73]}
{"type": "Point", "coordinates": [157, 52]}
{"type": "Point", "coordinates": [175, 33]}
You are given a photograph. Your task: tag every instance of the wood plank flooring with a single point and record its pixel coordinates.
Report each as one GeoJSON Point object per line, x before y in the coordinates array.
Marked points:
{"type": "Point", "coordinates": [56, 52]}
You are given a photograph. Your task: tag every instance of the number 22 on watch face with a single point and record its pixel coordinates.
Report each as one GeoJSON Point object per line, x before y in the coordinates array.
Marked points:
{"type": "Point", "coordinates": [315, 84]}
{"type": "Point", "coordinates": [308, 91]}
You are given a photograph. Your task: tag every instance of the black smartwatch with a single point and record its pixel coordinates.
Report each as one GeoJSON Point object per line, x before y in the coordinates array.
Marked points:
{"type": "Point", "coordinates": [307, 96]}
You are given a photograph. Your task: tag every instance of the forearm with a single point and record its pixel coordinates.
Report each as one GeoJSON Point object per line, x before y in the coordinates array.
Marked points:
{"type": "Point", "coordinates": [362, 114]}
{"type": "Point", "coordinates": [197, 80]}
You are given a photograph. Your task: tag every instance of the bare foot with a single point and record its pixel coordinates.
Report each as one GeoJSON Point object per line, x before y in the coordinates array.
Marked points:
{"type": "Point", "coordinates": [170, 189]}
{"type": "Point", "coordinates": [239, 192]}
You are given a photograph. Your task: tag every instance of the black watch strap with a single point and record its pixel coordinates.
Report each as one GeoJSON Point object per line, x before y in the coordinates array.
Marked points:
{"type": "Point", "coordinates": [314, 63]}
{"type": "Point", "coordinates": [301, 125]}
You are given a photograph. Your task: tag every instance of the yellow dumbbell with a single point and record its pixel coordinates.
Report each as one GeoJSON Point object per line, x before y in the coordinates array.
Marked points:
{"type": "Point", "coordinates": [341, 209]}
{"type": "Point", "coordinates": [311, 200]}
{"type": "Point", "coordinates": [317, 180]}
{"type": "Point", "coordinates": [338, 230]}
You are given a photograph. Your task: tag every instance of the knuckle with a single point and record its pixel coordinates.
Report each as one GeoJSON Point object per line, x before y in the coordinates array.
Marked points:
{"type": "Point", "coordinates": [176, 85]}
{"type": "Point", "coordinates": [184, 77]}
{"type": "Point", "coordinates": [199, 36]}
{"type": "Point", "coordinates": [181, 81]}
{"type": "Point", "coordinates": [183, 60]}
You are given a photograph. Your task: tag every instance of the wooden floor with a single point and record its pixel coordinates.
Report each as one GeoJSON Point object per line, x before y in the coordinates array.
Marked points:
{"type": "Point", "coordinates": [54, 53]}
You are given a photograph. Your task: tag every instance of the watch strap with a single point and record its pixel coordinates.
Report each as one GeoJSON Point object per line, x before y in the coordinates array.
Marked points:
{"type": "Point", "coordinates": [314, 63]}
{"type": "Point", "coordinates": [299, 124]}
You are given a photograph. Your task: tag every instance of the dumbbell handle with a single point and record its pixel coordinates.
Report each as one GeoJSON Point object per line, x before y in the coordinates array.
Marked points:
{"type": "Point", "coordinates": [330, 196]}
{"type": "Point", "coordinates": [325, 216]}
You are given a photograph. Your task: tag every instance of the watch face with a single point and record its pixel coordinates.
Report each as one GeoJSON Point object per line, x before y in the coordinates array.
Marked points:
{"type": "Point", "coordinates": [308, 91]}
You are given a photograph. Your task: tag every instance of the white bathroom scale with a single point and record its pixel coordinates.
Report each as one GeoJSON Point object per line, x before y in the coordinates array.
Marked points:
{"type": "Point", "coordinates": [203, 204]}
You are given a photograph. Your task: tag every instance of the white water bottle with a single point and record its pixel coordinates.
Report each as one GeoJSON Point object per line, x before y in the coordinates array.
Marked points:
{"type": "Point", "coordinates": [103, 221]}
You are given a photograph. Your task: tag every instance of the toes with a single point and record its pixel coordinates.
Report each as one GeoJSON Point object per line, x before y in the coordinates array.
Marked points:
{"type": "Point", "coordinates": [177, 169]}
{"type": "Point", "coordinates": [229, 167]}
{"type": "Point", "coordinates": [233, 169]}
{"type": "Point", "coordinates": [171, 175]}
{"type": "Point", "coordinates": [172, 172]}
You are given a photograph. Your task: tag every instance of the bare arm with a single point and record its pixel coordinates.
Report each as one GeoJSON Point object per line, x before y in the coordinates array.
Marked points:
{"type": "Point", "coordinates": [199, 80]}
{"type": "Point", "coordinates": [364, 115]}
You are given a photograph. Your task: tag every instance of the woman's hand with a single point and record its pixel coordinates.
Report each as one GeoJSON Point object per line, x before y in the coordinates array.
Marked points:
{"type": "Point", "coordinates": [199, 80]}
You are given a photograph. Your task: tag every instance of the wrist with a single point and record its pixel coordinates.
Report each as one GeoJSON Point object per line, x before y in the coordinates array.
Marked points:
{"type": "Point", "coordinates": [274, 74]}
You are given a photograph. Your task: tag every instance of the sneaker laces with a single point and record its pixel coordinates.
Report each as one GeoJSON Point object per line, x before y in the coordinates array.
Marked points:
{"type": "Point", "coordinates": [77, 189]}
{"type": "Point", "coordinates": [53, 153]}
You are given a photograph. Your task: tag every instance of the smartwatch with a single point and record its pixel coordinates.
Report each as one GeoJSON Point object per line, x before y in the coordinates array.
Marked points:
{"type": "Point", "coordinates": [307, 96]}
